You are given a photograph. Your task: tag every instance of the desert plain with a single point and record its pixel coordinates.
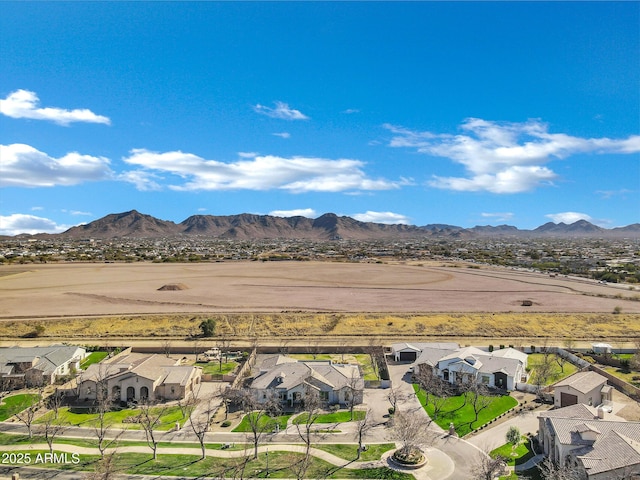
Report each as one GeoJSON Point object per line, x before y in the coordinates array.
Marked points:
{"type": "Point", "coordinates": [451, 299]}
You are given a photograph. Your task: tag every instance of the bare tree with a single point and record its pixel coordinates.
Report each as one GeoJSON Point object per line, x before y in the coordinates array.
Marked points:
{"type": "Point", "coordinates": [488, 468]}
{"type": "Point", "coordinates": [411, 429]}
{"type": "Point", "coordinates": [553, 471]}
{"type": "Point", "coordinates": [102, 424]}
{"type": "Point", "coordinates": [362, 427]}
{"type": "Point", "coordinates": [304, 426]}
{"type": "Point", "coordinates": [479, 397]}
{"type": "Point", "coordinates": [395, 398]}
{"type": "Point", "coordinates": [200, 412]}
{"type": "Point", "coordinates": [28, 413]}
{"type": "Point", "coordinates": [149, 418]}
{"type": "Point", "coordinates": [166, 347]}
{"type": "Point", "coordinates": [52, 425]}
{"type": "Point", "coordinates": [105, 468]}
{"type": "Point", "coordinates": [258, 413]}
{"type": "Point", "coordinates": [353, 395]}
{"type": "Point", "coordinates": [437, 391]}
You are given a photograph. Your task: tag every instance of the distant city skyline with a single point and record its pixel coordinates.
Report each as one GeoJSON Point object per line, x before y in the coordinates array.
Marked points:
{"type": "Point", "coordinates": [463, 113]}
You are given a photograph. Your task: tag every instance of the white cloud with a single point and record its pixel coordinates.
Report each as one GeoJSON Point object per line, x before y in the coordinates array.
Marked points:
{"type": "Point", "coordinates": [300, 212]}
{"type": "Point", "coordinates": [78, 213]}
{"type": "Point", "coordinates": [143, 180]}
{"type": "Point", "coordinates": [282, 134]}
{"type": "Point", "coordinates": [24, 104]}
{"type": "Point", "coordinates": [504, 157]}
{"type": "Point", "coordinates": [569, 217]}
{"type": "Point", "coordinates": [296, 174]}
{"type": "Point", "coordinates": [24, 166]}
{"type": "Point", "coordinates": [21, 223]}
{"type": "Point", "coordinates": [382, 217]}
{"type": "Point", "coordinates": [281, 111]}
{"type": "Point", "coordinates": [607, 194]}
{"type": "Point", "coordinates": [349, 111]}
{"type": "Point", "coordinates": [499, 216]}
{"type": "Point", "coordinates": [36, 209]}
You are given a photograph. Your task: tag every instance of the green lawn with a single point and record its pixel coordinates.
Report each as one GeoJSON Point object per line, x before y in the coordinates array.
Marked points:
{"type": "Point", "coordinates": [16, 403]}
{"type": "Point", "coordinates": [557, 373]}
{"type": "Point", "coordinates": [78, 418]}
{"type": "Point", "coordinates": [350, 451]}
{"type": "Point", "coordinates": [514, 456]}
{"type": "Point", "coordinates": [362, 359]}
{"type": "Point", "coordinates": [336, 417]}
{"type": "Point", "coordinates": [266, 423]}
{"type": "Point", "coordinates": [626, 375]}
{"type": "Point", "coordinates": [463, 416]}
{"type": "Point", "coordinates": [93, 357]}
{"type": "Point", "coordinates": [192, 466]}
{"type": "Point", "coordinates": [215, 368]}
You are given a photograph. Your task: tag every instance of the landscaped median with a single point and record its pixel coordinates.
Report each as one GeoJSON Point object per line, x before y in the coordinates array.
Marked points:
{"type": "Point", "coordinates": [337, 461]}
{"type": "Point", "coordinates": [455, 410]}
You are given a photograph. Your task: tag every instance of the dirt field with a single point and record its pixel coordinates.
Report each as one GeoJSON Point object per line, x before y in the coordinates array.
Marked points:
{"type": "Point", "coordinates": [116, 289]}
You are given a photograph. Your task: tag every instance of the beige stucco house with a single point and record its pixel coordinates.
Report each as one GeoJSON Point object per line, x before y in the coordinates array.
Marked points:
{"type": "Point", "coordinates": [589, 388]}
{"type": "Point", "coordinates": [139, 377]}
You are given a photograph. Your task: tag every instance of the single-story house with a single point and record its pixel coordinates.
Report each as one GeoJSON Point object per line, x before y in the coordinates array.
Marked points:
{"type": "Point", "coordinates": [409, 352]}
{"type": "Point", "coordinates": [290, 380]}
{"type": "Point", "coordinates": [598, 447]}
{"type": "Point", "coordinates": [589, 388]}
{"type": "Point", "coordinates": [139, 377]}
{"type": "Point", "coordinates": [34, 366]}
{"type": "Point", "coordinates": [503, 368]}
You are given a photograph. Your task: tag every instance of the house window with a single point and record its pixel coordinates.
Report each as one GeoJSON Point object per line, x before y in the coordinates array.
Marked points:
{"type": "Point", "coordinates": [173, 389]}
{"type": "Point", "coordinates": [485, 379]}
{"type": "Point", "coordinates": [324, 396]}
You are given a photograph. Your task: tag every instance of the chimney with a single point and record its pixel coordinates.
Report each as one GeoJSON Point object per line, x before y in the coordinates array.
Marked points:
{"type": "Point", "coordinates": [601, 413]}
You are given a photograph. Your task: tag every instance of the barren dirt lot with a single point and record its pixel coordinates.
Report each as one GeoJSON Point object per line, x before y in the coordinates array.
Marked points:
{"type": "Point", "coordinates": [113, 289]}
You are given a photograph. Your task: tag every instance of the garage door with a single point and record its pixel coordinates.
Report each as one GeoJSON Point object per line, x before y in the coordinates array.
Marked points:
{"type": "Point", "coordinates": [407, 356]}
{"type": "Point", "coordinates": [567, 399]}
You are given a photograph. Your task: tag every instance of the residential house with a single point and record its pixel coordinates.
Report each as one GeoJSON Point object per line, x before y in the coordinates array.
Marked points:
{"type": "Point", "coordinates": [34, 366]}
{"type": "Point", "coordinates": [290, 380]}
{"type": "Point", "coordinates": [597, 445]}
{"type": "Point", "coordinates": [409, 352]}
{"type": "Point", "coordinates": [503, 368]}
{"type": "Point", "coordinates": [139, 377]}
{"type": "Point", "coordinates": [589, 388]}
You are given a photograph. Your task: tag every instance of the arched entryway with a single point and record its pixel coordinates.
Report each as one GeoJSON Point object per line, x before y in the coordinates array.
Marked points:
{"type": "Point", "coordinates": [131, 393]}
{"type": "Point", "coordinates": [144, 393]}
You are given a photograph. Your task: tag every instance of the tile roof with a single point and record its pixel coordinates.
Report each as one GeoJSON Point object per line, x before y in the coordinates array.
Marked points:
{"type": "Point", "coordinates": [583, 382]}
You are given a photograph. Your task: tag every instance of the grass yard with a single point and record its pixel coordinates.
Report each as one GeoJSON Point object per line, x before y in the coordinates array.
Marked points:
{"type": "Point", "coordinates": [266, 423]}
{"type": "Point", "coordinates": [626, 375]}
{"type": "Point", "coordinates": [93, 357]}
{"type": "Point", "coordinates": [74, 417]}
{"type": "Point", "coordinates": [192, 466]}
{"type": "Point", "coordinates": [16, 403]}
{"type": "Point", "coordinates": [557, 373]}
{"type": "Point", "coordinates": [514, 456]}
{"type": "Point", "coordinates": [336, 417]}
{"type": "Point", "coordinates": [362, 359]}
{"type": "Point", "coordinates": [350, 451]}
{"type": "Point", "coordinates": [462, 415]}
{"type": "Point", "coordinates": [215, 368]}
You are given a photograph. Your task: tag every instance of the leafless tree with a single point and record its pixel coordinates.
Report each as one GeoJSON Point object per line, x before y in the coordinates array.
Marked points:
{"type": "Point", "coordinates": [28, 414]}
{"type": "Point", "coordinates": [304, 426]}
{"type": "Point", "coordinates": [437, 391]}
{"type": "Point", "coordinates": [411, 429]}
{"type": "Point", "coordinates": [553, 471]}
{"type": "Point", "coordinates": [102, 425]}
{"type": "Point", "coordinates": [166, 347]}
{"type": "Point", "coordinates": [52, 425]}
{"type": "Point", "coordinates": [258, 412]}
{"type": "Point", "coordinates": [478, 396]}
{"type": "Point", "coordinates": [354, 391]}
{"type": "Point", "coordinates": [488, 468]}
{"type": "Point", "coordinates": [543, 372]}
{"type": "Point", "coordinates": [150, 417]}
{"type": "Point", "coordinates": [362, 427]}
{"type": "Point", "coordinates": [105, 468]}
{"type": "Point", "coordinates": [395, 398]}
{"type": "Point", "coordinates": [200, 412]}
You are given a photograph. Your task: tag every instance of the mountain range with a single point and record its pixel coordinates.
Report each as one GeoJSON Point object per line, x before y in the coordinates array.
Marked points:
{"type": "Point", "coordinates": [329, 226]}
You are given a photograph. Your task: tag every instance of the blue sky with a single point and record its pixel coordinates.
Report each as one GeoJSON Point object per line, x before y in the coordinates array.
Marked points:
{"type": "Point", "coordinates": [461, 113]}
